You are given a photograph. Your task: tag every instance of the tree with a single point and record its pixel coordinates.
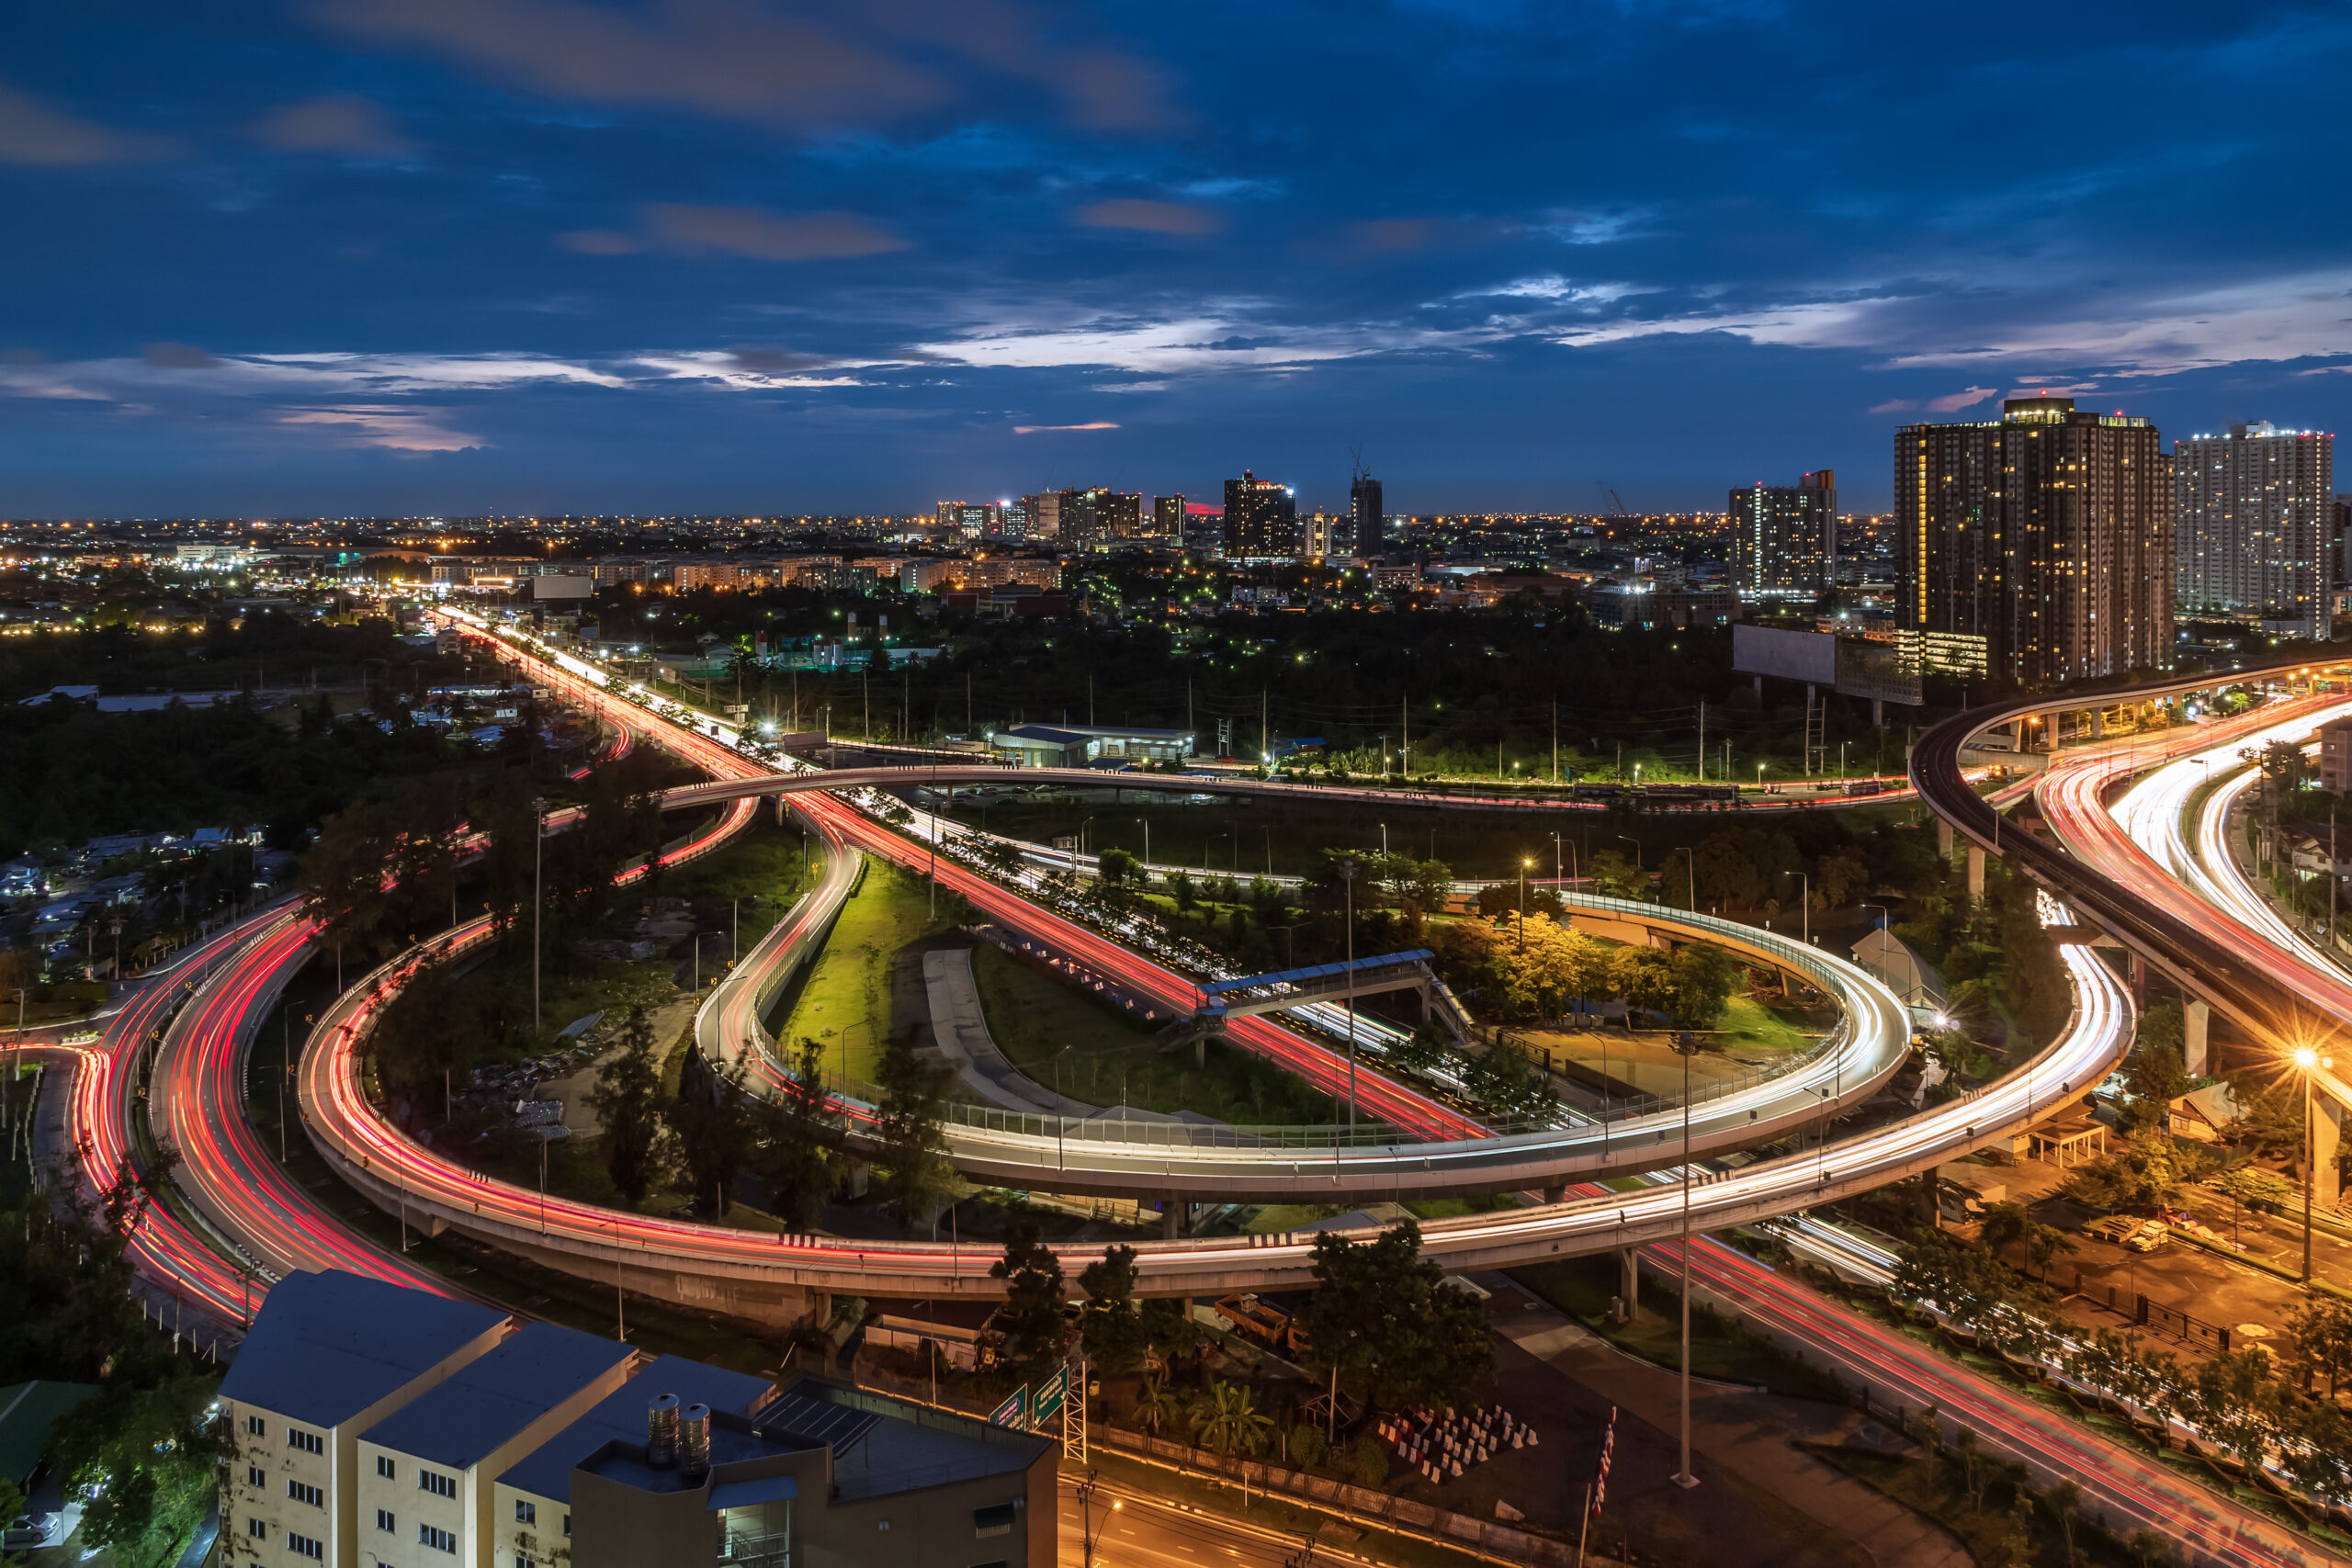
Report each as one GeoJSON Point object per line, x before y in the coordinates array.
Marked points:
{"type": "Point", "coordinates": [1616, 877]}
{"type": "Point", "coordinates": [2157, 1076]}
{"type": "Point", "coordinates": [714, 1128]}
{"type": "Point", "coordinates": [510, 813]}
{"type": "Point", "coordinates": [2034, 979]}
{"type": "Point", "coordinates": [1644, 976]}
{"type": "Point", "coordinates": [2042, 1245]}
{"type": "Point", "coordinates": [2144, 1173]}
{"type": "Point", "coordinates": [1110, 1328]}
{"type": "Point", "coordinates": [792, 1150]}
{"type": "Point", "coordinates": [2321, 1332]}
{"type": "Point", "coordinates": [912, 1150]}
{"type": "Point", "coordinates": [1157, 1404]}
{"type": "Point", "coordinates": [1031, 1314]}
{"type": "Point", "coordinates": [1387, 1321]}
{"type": "Point", "coordinates": [1117, 867]}
{"type": "Point", "coordinates": [66, 1290]}
{"type": "Point", "coordinates": [425, 1040]}
{"type": "Point", "coordinates": [151, 1456]}
{"type": "Point", "coordinates": [627, 1102]}
{"type": "Point", "coordinates": [1228, 1421]}
{"type": "Point", "coordinates": [1837, 878]}
{"type": "Point", "coordinates": [1168, 1329]}
{"type": "Point", "coordinates": [1703, 978]}
{"type": "Point", "coordinates": [2064, 1504]}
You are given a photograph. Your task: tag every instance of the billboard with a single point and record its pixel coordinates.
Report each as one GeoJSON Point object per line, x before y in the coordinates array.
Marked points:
{"type": "Point", "coordinates": [1810, 656]}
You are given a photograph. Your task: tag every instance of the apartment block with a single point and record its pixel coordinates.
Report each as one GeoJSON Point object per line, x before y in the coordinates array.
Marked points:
{"type": "Point", "coordinates": [329, 1357]}
{"type": "Point", "coordinates": [2037, 548]}
{"type": "Point", "coordinates": [427, 1472]}
{"type": "Point", "coordinates": [384, 1427]}
{"type": "Point", "coordinates": [2253, 524]}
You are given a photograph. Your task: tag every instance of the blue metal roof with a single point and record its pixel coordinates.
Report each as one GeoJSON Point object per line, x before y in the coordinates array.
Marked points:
{"type": "Point", "coordinates": [1302, 979]}
{"type": "Point", "coordinates": [1045, 733]}
{"type": "Point", "coordinates": [324, 1347]}
{"type": "Point", "coordinates": [489, 1401]}
{"type": "Point", "coordinates": [546, 1471]}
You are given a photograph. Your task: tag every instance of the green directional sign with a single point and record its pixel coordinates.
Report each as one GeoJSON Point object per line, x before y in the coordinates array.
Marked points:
{"type": "Point", "coordinates": [1048, 1402]}
{"type": "Point", "coordinates": [1015, 1411]}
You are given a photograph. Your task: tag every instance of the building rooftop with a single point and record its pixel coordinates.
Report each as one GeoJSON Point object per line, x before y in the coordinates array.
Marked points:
{"type": "Point", "coordinates": [546, 1471]}
{"type": "Point", "coordinates": [28, 1410]}
{"type": "Point", "coordinates": [324, 1347]}
{"type": "Point", "coordinates": [494, 1398]}
{"type": "Point", "coordinates": [880, 1445]}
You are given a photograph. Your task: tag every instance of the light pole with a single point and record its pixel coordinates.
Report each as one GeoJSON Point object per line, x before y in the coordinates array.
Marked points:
{"type": "Point", "coordinates": [2309, 1061]}
{"type": "Point", "coordinates": [1145, 823]}
{"type": "Point", "coordinates": [1523, 864]}
{"type": "Point", "coordinates": [538, 838]}
{"type": "Point", "coordinates": [1348, 894]}
{"type": "Point", "coordinates": [1645, 875]}
{"type": "Point", "coordinates": [1685, 1046]}
{"type": "Point", "coordinates": [1691, 870]}
{"type": "Point", "coordinates": [1805, 905]}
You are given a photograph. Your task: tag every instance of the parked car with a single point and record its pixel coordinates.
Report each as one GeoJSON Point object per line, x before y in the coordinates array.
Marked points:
{"type": "Point", "coordinates": [36, 1528]}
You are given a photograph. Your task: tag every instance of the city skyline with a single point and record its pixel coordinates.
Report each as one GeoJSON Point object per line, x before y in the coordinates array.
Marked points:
{"type": "Point", "coordinates": [379, 259]}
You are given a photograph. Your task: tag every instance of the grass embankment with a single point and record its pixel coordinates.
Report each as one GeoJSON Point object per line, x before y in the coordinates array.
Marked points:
{"type": "Point", "coordinates": [844, 998]}
{"type": "Point", "coordinates": [1584, 1287]}
{"type": "Point", "coordinates": [1112, 1058]}
{"type": "Point", "coordinates": [1997, 1530]}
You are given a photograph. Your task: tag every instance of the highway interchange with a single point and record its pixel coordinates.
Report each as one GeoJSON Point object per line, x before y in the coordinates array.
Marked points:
{"type": "Point", "coordinates": [246, 1222]}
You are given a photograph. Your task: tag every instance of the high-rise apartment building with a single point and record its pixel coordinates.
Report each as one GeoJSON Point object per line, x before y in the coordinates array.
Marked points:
{"type": "Point", "coordinates": [2253, 512]}
{"type": "Point", "coordinates": [1091, 519]}
{"type": "Point", "coordinates": [1364, 510]}
{"type": "Point", "coordinates": [2037, 547]}
{"type": "Point", "coordinates": [1041, 514]}
{"type": "Point", "coordinates": [1784, 537]}
{"type": "Point", "coordinates": [1260, 519]}
{"type": "Point", "coordinates": [1168, 516]}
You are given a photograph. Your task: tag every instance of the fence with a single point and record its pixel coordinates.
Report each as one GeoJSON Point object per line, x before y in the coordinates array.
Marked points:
{"type": "Point", "coordinates": [2154, 1315]}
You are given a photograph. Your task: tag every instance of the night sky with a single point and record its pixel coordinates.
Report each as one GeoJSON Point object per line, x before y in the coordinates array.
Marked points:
{"type": "Point", "coordinates": [356, 256]}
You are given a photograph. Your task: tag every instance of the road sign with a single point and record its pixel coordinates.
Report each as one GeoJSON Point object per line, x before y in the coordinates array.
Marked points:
{"type": "Point", "coordinates": [1050, 1394]}
{"type": "Point", "coordinates": [1015, 1411]}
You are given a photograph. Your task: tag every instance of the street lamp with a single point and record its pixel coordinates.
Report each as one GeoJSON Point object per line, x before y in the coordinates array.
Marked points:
{"type": "Point", "coordinates": [1645, 875]}
{"type": "Point", "coordinates": [1686, 1045]}
{"type": "Point", "coordinates": [1348, 886]}
{"type": "Point", "coordinates": [1523, 864]}
{"type": "Point", "coordinates": [1805, 906]}
{"type": "Point", "coordinates": [2309, 1061]}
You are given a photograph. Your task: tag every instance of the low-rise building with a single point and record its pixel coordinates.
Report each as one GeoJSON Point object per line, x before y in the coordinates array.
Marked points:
{"type": "Point", "coordinates": [1082, 745]}
{"type": "Point", "coordinates": [378, 1426]}
{"type": "Point", "coordinates": [330, 1356]}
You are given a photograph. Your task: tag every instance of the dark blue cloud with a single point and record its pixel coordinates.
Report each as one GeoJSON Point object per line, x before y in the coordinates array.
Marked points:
{"type": "Point", "coordinates": [461, 254]}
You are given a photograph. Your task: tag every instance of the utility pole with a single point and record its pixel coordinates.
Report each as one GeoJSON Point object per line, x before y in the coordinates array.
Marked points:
{"type": "Point", "coordinates": [538, 838]}
{"type": "Point", "coordinates": [1683, 1478]}
{"type": "Point", "coordinates": [1348, 893]}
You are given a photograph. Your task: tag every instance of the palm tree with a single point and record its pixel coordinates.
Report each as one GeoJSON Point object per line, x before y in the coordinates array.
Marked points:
{"type": "Point", "coordinates": [1158, 1405]}
{"type": "Point", "coordinates": [1229, 1421]}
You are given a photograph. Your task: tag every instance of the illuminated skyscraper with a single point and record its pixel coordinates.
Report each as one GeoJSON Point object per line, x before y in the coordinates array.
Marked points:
{"type": "Point", "coordinates": [2037, 549]}
{"type": "Point", "coordinates": [1784, 537]}
{"type": "Point", "coordinates": [1260, 519]}
{"type": "Point", "coordinates": [2253, 515]}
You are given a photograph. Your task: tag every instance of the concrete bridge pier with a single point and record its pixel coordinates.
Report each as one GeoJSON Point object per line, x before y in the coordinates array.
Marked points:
{"type": "Point", "coordinates": [1629, 1279]}
{"type": "Point", "coordinates": [1975, 872]}
{"type": "Point", "coordinates": [1944, 839]}
{"type": "Point", "coordinates": [2196, 1019]}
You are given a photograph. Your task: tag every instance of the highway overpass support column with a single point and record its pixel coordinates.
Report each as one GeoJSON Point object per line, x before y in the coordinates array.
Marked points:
{"type": "Point", "coordinates": [1975, 872]}
{"type": "Point", "coordinates": [1944, 838]}
{"type": "Point", "coordinates": [1629, 1284]}
{"type": "Point", "coordinates": [2196, 1018]}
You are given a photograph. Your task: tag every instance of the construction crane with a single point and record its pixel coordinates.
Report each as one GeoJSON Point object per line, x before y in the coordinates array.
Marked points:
{"type": "Point", "coordinates": [1616, 504]}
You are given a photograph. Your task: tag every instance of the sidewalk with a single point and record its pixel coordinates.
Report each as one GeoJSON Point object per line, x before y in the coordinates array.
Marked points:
{"type": "Point", "coordinates": [1747, 1439]}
